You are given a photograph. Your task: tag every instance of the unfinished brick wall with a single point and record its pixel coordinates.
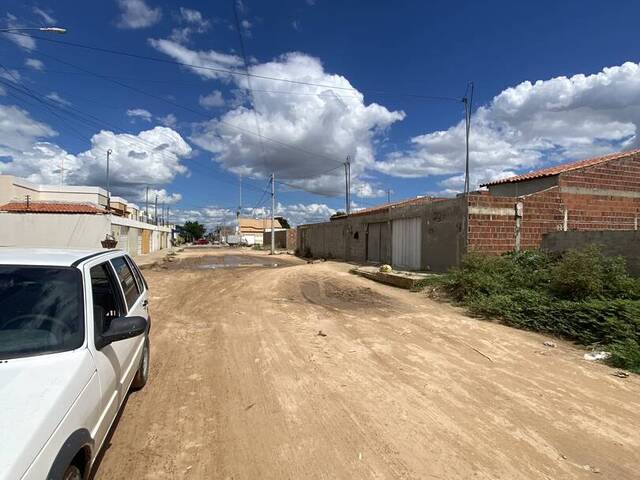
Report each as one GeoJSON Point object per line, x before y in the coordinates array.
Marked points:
{"type": "Point", "coordinates": [601, 197]}
{"type": "Point", "coordinates": [493, 230]}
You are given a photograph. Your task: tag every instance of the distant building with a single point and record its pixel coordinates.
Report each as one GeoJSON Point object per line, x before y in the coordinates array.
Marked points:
{"type": "Point", "coordinates": [252, 229]}
{"type": "Point", "coordinates": [33, 215]}
{"type": "Point", "coordinates": [601, 193]}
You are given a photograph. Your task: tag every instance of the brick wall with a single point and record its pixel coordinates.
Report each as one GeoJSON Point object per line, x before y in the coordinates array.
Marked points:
{"type": "Point", "coordinates": [602, 197]}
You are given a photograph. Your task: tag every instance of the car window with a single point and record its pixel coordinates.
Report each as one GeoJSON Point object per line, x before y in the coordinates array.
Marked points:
{"type": "Point", "coordinates": [127, 280]}
{"type": "Point", "coordinates": [107, 301]}
{"type": "Point", "coordinates": [42, 310]}
{"type": "Point", "coordinates": [142, 283]}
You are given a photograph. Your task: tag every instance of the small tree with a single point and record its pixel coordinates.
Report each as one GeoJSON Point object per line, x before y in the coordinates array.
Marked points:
{"type": "Point", "coordinates": [283, 221]}
{"type": "Point", "coordinates": [193, 230]}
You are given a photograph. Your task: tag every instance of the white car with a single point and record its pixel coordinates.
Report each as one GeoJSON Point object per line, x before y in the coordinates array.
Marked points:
{"type": "Point", "coordinates": [74, 328]}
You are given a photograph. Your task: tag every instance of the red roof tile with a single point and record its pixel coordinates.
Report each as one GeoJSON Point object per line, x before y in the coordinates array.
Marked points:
{"type": "Point", "coordinates": [564, 167]}
{"type": "Point", "coordinates": [46, 207]}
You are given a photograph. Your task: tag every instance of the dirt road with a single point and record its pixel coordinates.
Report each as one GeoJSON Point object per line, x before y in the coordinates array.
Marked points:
{"type": "Point", "coordinates": [396, 386]}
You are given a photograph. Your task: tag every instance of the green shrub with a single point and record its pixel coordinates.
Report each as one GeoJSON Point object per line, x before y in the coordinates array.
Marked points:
{"type": "Point", "coordinates": [582, 296]}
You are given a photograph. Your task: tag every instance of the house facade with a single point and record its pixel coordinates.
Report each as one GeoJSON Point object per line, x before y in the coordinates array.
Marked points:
{"type": "Point", "coordinates": [34, 215]}
{"type": "Point", "coordinates": [600, 193]}
{"type": "Point", "coordinates": [252, 229]}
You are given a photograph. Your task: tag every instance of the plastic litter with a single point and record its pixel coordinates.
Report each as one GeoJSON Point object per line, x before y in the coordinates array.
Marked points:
{"type": "Point", "coordinates": [596, 356]}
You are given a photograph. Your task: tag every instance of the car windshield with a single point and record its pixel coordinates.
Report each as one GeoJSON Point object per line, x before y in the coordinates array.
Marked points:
{"type": "Point", "coordinates": [41, 310]}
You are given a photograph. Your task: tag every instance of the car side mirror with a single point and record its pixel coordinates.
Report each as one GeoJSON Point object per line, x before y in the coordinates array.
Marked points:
{"type": "Point", "coordinates": [122, 328]}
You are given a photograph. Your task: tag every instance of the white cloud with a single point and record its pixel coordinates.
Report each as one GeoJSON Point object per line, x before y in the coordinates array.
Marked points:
{"type": "Point", "coordinates": [162, 195]}
{"type": "Point", "coordinates": [12, 75]}
{"type": "Point", "coordinates": [18, 131]}
{"type": "Point", "coordinates": [208, 59]}
{"type": "Point", "coordinates": [54, 96]}
{"type": "Point", "coordinates": [300, 213]}
{"type": "Point", "coordinates": [213, 100]}
{"type": "Point", "coordinates": [34, 63]}
{"type": "Point", "coordinates": [319, 120]}
{"type": "Point", "coordinates": [23, 41]}
{"type": "Point", "coordinates": [140, 113]}
{"type": "Point", "coordinates": [152, 157]}
{"type": "Point", "coordinates": [137, 14]}
{"type": "Point", "coordinates": [532, 124]}
{"type": "Point", "coordinates": [192, 21]}
{"type": "Point", "coordinates": [168, 120]}
{"type": "Point", "coordinates": [296, 25]}
{"type": "Point", "coordinates": [45, 16]}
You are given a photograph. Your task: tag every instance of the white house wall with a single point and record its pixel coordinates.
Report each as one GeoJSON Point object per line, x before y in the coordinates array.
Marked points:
{"type": "Point", "coordinates": [53, 230]}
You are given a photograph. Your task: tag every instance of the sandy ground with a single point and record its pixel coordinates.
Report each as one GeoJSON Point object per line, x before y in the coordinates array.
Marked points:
{"type": "Point", "coordinates": [396, 386]}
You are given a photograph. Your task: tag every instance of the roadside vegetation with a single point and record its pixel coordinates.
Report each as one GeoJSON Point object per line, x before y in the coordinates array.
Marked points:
{"type": "Point", "coordinates": [582, 296]}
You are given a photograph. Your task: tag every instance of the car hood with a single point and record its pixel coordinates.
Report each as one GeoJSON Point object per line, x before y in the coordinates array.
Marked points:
{"type": "Point", "coordinates": [35, 395]}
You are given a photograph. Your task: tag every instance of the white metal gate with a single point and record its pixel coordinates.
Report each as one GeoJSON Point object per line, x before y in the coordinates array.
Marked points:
{"type": "Point", "coordinates": [406, 243]}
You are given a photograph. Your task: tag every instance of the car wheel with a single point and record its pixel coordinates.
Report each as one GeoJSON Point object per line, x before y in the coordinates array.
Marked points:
{"type": "Point", "coordinates": [142, 375]}
{"type": "Point", "coordinates": [72, 473]}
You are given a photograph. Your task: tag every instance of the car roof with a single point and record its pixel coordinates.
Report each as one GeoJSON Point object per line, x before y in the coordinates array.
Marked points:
{"type": "Point", "coordinates": [61, 257]}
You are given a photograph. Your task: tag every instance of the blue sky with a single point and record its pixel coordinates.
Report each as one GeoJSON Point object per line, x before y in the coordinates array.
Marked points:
{"type": "Point", "coordinates": [553, 81]}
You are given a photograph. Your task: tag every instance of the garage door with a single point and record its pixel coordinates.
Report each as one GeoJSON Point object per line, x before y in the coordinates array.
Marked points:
{"type": "Point", "coordinates": [406, 243]}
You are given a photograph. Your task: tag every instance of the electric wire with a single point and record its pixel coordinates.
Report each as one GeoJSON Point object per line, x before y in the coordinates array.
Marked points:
{"type": "Point", "coordinates": [223, 70]}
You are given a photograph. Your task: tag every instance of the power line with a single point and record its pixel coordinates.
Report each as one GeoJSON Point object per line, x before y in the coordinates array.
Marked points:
{"type": "Point", "coordinates": [231, 72]}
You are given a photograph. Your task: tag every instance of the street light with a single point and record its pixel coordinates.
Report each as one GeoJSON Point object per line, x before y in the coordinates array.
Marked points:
{"type": "Point", "coordinates": [38, 29]}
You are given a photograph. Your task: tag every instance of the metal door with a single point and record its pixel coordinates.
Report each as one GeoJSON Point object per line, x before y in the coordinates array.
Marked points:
{"type": "Point", "coordinates": [406, 243]}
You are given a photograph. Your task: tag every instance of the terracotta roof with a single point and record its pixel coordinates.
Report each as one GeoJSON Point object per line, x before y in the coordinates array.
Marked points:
{"type": "Point", "coordinates": [46, 207]}
{"type": "Point", "coordinates": [564, 167]}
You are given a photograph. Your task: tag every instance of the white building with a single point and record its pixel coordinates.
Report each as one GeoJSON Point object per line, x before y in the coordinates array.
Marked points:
{"type": "Point", "coordinates": [34, 215]}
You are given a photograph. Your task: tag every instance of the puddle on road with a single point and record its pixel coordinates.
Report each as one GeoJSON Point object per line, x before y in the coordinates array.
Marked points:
{"type": "Point", "coordinates": [231, 261]}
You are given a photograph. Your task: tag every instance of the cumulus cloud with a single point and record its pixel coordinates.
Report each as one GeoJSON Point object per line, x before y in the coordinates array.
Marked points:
{"type": "Point", "coordinates": [34, 63]}
{"type": "Point", "coordinates": [529, 125]}
{"type": "Point", "coordinates": [137, 14]}
{"type": "Point", "coordinates": [152, 157]}
{"type": "Point", "coordinates": [303, 134]}
{"type": "Point", "coordinates": [213, 100]}
{"type": "Point", "coordinates": [140, 113]}
{"type": "Point", "coordinates": [161, 195]}
{"type": "Point", "coordinates": [23, 41]}
{"type": "Point", "coordinates": [213, 215]}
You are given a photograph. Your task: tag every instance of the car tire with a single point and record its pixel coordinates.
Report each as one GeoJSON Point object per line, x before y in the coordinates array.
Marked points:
{"type": "Point", "coordinates": [72, 473]}
{"type": "Point", "coordinates": [142, 375]}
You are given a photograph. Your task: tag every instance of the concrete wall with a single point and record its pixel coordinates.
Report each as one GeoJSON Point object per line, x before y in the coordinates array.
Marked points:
{"type": "Point", "coordinates": [443, 234]}
{"type": "Point", "coordinates": [53, 230]}
{"type": "Point", "coordinates": [612, 243]}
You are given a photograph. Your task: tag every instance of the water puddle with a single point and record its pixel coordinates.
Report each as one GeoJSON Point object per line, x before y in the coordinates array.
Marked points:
{"type": "Point", "coordinates": [231, 261]}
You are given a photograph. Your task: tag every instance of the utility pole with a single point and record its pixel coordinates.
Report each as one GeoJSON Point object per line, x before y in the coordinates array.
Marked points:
{"type": "Point", "coordinates": [164, 218]}
{"type": "Point", "coordinates": [146, 204]}
{"type": "Point", "coordinates": [468, 104]}
{"type": "Point", "coordinates": [273, 209]}
{"type": "Point", "coordinates": [155, 210]}
{"type": "Point", "coordinates": [108, 193]}
{"type": "Point", "coordinates": [61, 170]}
{"type": "Point", "coordinates": [347, 183]}
{"type": "Point", "coordinates": [388, 195]}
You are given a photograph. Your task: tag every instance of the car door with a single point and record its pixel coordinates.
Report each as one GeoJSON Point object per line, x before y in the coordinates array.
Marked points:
{"type": "Point", "coordinates": [117, 362]}
{"type": "Point", "coordinates": [107, 304]}
{"type": "Point", "coordinates": [129, 351]}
